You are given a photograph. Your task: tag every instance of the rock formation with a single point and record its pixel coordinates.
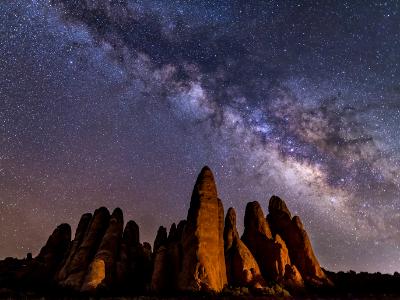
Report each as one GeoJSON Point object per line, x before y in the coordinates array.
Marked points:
{"type": "Point", "coordinates": [44, 266]}
{"type": "Point", "coordinates": [167, 259]}
{"type": "Point", "coordinates": [103, 267]}
{"type": "Point", "coordinates": [80, 262]}
{"type": "Point", "coordinates": [270, 252]}
{"type": "Point", "coordinates": [241, 267]}
{"type": "Point", "coordinates": [175, 253]}
{"type": "Point", "coordinates": [161, 238]}
{"type": "Point", "coordinates": [287, 273]}
{"type": "Point", "coordinates": [203, 266]}
{"type": "Point", "coordinates": [103, 256]}
{"type": "Point", "coordinates": [79, 235]}
{"type": "Point", "coordinates": [296, 238]}
{"type": "Point", "coordinates": [134, 265]}
{"type": "Point", "coordinates": [293, 279]}
{"type": "Point", "coordinates": [198, 254]}
{"type": "Point", "coordinates": [160, 280]}
{"type": "Point", "coordinates": [141, 269]}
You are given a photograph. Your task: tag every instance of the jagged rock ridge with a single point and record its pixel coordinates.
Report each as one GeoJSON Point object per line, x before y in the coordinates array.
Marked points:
{"type": "Point", "coordinates": [201, 253]}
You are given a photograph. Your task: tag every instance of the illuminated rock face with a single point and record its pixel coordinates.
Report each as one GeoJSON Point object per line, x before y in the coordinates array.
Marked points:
{"type": "Point", "coordinates": [269, 251]}
{"type": "Point", "coordinates": [203, 266]}
{"type": "Point", "coordinates": [95, 276]}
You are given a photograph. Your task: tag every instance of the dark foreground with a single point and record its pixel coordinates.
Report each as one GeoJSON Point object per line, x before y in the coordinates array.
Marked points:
{"type": "Point", "coordinates": [348, 285]}
{"type": "Point", "coordinates": [350, 296]}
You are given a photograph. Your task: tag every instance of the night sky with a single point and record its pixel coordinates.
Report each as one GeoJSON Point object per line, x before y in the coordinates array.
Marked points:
{"type": "Point", "coordinates": [121, 102]}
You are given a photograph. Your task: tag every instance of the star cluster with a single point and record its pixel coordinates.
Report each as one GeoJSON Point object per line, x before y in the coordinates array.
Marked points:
{"type": "Point", "coordinates": [121, 102]}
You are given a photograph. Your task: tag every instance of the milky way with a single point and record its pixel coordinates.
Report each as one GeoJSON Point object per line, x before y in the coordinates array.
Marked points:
{"type": "Point", "coordinates": [120, 103]}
